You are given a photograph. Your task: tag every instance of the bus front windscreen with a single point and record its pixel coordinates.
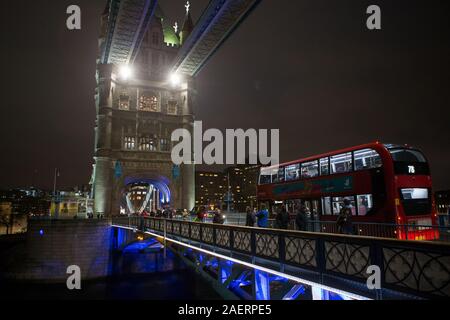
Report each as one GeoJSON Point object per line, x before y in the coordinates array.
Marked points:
{"type": "Point", "coordinates": [416, 201]}
{"type": "Point", "coordinates": [409, 162]}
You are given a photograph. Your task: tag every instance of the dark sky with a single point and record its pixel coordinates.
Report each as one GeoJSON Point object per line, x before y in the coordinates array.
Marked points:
{"type": "Point", "coordinates": [307, 67]}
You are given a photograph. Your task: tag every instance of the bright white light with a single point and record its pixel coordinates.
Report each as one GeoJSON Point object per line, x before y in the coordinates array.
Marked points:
{"type": "Point", "coordinates": [125, 72]}
{"type": "Point", "coordinates": [175, 79]}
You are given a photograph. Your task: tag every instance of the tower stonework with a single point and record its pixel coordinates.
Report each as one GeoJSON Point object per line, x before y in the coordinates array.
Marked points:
{"type": "Point", "coordinates": [136, 116]}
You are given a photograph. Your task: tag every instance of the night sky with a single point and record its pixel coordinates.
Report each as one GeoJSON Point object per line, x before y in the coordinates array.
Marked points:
{"type": "Point", "coordinates": [309, 68]}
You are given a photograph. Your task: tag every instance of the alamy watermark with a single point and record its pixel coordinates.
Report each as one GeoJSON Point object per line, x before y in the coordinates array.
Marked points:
{"type": "Point", "coordinates": [374, 279]}
{"type": "Point", "coordinates": [236, 147]}
{"type": "Point", "coordinates": [74, 280]}
{"type": "Point", "coordinates": [73, 22]}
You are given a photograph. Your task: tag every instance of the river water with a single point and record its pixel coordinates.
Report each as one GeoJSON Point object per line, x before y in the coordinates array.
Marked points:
{"type": "Point", "coordinates": [138, 274]}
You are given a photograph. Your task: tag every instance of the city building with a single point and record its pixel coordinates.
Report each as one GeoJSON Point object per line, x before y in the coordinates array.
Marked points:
{"type": "Point", "coordinates": [11, 222]}
{"type": "Point", "coordinates": [233, 189]}
{"type": "Point", "coordinates": [243, 184]}
{"type": "Point", "coordinates": [442, 199]}
{"type": "Point", "coordinates": [71, 204]}
{"type": "Point", "coordinates": [210, 189]}
{"type": "Point", "coordinates": [139, 104]}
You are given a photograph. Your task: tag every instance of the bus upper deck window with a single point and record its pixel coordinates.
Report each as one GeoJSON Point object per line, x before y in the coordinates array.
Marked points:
{"type": "Point", "coordinates": [324, 166]}
{"type": "Point", "coordinates": [406, 155]}
{"type": "Point", "coordinates": [293, 172]}
{"type": "Point", "coordinates": [367, 159]}
{"type": "Point", "coordinates": [310, 169]}
{"type": "Point", "coordinates": [341, 163]}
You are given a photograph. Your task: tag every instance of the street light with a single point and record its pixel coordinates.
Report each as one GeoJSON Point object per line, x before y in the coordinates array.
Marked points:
{"type": "Point", "coordinates": [175, 79]}
{"type": "Point", "coordinates": [125, 72]}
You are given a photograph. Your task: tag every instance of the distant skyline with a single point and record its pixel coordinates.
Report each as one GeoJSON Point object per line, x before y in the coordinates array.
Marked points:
{"type": "Point", "coordinates": [308, 68]}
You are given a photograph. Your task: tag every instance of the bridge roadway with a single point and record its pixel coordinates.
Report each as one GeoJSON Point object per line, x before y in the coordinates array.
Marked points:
{"type": "Point", "coordinates": [326, 263]}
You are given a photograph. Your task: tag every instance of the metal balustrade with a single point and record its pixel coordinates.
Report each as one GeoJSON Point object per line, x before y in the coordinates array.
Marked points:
{"type": "Point", "coordinates": [379, 230]}
{"type": "Point", "coordinates": [411, 267]}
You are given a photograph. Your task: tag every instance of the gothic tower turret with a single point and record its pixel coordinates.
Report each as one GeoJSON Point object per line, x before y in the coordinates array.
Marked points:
{"type": "Point", "coordinates": [188, 25]}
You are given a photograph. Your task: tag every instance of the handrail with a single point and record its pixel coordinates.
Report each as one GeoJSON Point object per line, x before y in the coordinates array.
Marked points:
{"type": "Point", "coordinates": [412, 267]}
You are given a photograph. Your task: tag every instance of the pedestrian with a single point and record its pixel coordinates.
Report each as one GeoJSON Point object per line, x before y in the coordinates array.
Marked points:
{"type": "Point", "coordinates": [282, 218]}
{"type": "Point", "coordinates": [250, 217]}
{"type": "Point", "coordinates": [218, 218]}
{"type": "Point", "coordinates": [344, 220]}
{"type": "Point", "coordinates": [185, 214]}
{"type": "Point", "coordinates": [201, 213]}
{"type": "Point", "coordinates": [263, 217]}
{"type": "Point", "coordinates": [300, 218]}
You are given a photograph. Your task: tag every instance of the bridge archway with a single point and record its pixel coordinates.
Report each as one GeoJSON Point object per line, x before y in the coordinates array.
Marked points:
{"type": "Point", "coordinates": [143, 194]}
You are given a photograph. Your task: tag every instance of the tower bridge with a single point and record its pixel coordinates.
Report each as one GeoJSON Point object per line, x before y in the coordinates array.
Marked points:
{"type": "Point", "coordinates": [137, 104]}
{"type": "Point", "coordinates": [325, 265]}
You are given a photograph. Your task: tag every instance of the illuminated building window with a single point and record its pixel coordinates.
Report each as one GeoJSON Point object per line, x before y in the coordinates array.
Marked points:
{"type": "Point", "coordinates": [148, 103]}
{"type": "Point", "coordinates": [164, 145]}
{"type": "Point", "coordinates": [147, 143]}
{"type": "Point", "coordinates": [124, 102]}
{"type": "Point", "coordinates": [172, 107]}
{"type": "Point", "coordinates": [129, 143]}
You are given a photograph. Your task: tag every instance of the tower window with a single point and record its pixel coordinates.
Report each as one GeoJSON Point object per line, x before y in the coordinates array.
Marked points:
{"type": "Point", "coordinates": [124, 102]}
{"type": "Point", "coordinates": [164, 145]}
{"type": "Point", "coordinates": [172, 107]}
{"type": "Point", "coordinates": [147, 143]}
{"type": "Point", "coordinates": [148, 103]}
{"type": "Point", "coordinates": [129, 143]}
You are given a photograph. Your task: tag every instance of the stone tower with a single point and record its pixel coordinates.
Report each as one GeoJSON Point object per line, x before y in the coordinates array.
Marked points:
{"type": "Point", "coordinates": [138, 107]}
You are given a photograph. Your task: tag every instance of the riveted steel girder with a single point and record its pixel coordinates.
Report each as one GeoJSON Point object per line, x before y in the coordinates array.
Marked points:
{"type": "Point", "coordinates": [127, 23]}
{"type": "Point", "coordinates": [218, 21]}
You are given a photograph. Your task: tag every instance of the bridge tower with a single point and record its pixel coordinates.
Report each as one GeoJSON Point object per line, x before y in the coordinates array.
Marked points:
{"type": "Point", "coordinates": [138, 111]}
{"type": "Point", "coordinates": [138, 108]}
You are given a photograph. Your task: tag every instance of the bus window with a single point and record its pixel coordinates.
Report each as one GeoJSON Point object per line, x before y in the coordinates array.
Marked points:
{"type": "Point", "coordinates": [324, 166]}
{"type": "Point", "coordinates": [326, 206]}
{"type": "Point", "coordinates": [265, 176]}
{"type": "Point", "coordinates": [405, 155]}
{"type": "Point", "coordinates": [367, 159]}
{"type": "Point", "coordinates": [365, 204]}
{"type": "Point", "coordinates": [310, 169]}
{"type": "Point", "coordinates": [341, 163]}
{"type": "Point", "coordinates": [293, 172]}
{"type": "Point", "coordinates": [414, 194]}
{"type": "Point", "coordinates": [279, 176]}
{"type": "Point", "coordinates": [409, 162]}
{"type": "Point", "coordinates": [416, 201]}
{"type": "Point", "coordinates": [338, 204]}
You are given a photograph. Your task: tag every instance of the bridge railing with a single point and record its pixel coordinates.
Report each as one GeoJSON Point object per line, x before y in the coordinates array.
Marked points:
{"type": "Point", "coordinates": [413, 267]}
{"type": "Point", "coordinates": [379, 230]}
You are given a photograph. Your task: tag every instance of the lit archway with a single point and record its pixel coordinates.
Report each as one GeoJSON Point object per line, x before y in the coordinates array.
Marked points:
{"type": "Point", "coordinates": [142, 196]}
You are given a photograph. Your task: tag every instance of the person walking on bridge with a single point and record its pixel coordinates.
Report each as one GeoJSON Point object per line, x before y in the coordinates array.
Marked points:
{"type": "Point", "coordinates": [218, 218]}
{"type": "Point", "coordinates": [344, 220]}
{"type": "Point", "coordinates": [250, 217]}
{"type": "Point", "coordinates": [282, 218]}
{"type": "Point", "coordinates": [300, 218]}
{"type": "Point", "coordinates": [263, 217]}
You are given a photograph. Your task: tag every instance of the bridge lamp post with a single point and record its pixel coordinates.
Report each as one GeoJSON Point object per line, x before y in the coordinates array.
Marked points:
{"type": "Point", "coordinates": [175, 79]}
{"type": "Point", "coordinates": [125, 72]}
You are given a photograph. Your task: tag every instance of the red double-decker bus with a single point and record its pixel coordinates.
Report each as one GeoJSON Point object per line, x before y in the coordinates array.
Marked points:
{"type": "Point", "coordinates": [385, 183]}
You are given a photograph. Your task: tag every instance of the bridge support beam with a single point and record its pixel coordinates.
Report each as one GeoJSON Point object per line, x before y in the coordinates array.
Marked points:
{"type": "Point", "coordinates": [261, 285]}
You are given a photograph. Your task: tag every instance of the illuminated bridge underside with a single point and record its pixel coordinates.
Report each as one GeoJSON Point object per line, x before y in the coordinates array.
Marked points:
{"type": "Point", "coordinates": [333, 263]}
{"type": "Point", "coordinates": [218, 21]}
{"type": "Point", "coordinates": [127, 24]}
